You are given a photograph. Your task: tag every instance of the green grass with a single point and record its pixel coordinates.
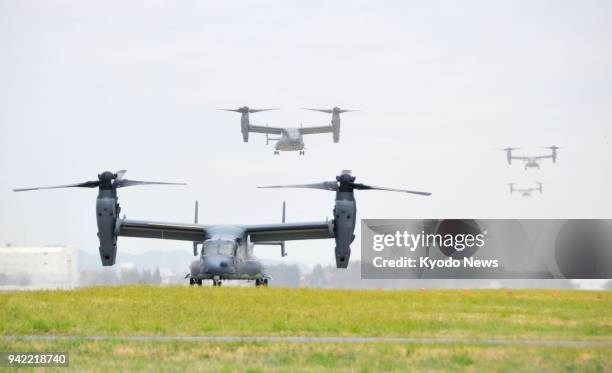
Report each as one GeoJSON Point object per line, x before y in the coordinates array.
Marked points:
{"type": "Point", "coordinates": [264, 357]}
{"type": "Point", "coordinates": [476, 314]}
{"type": "Point", "coordinates": [142, 310]}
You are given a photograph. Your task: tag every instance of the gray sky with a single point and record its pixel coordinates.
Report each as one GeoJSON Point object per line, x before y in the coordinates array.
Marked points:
{"type": "Point", "coordinates": [89, 86]}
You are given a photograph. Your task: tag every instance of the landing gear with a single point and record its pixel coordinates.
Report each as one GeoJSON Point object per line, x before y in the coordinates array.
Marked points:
{"type": "Point", "coordinates": [191, 281]}
{"type": "Point", "coordinates": [276, 152]}
{"type": "Point", "coordinates": [194, 281]}
{"type": "Point", "coordinates": [301, 152]}
{"type": "Point", "coordinates": [216, 282]}
{"type": "Point", "coordinates": [261, 282]}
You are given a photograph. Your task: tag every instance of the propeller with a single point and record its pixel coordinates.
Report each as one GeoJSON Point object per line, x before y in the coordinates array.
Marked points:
{"type": "Point", "coordinates": [246, 109]}
{"type": "Point", "coordinates": [509, 149]}
{"type": "Point", "coordinates": [345, 182]}
{"type": "Point", "coordinates": [106, 180]}
{"type": "Point", "coordinates": [335, 110]}
{"type": "Point", "coordinates": [554, 147]}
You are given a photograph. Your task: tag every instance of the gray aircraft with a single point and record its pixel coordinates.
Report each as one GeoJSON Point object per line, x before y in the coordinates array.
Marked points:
{"type": "Point", "coordinates": [532, 162]}
{"type": "Point", "coordinates": [290, 138]}
{"type": "Point", "coordinates": [227, 250]}
{"type": "Point", "coordinates": [526, 192]}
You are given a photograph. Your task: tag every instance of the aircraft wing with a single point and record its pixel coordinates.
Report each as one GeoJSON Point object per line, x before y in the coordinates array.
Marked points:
{"type": "Point", "coordinates": [520, 158]}
{"type": "Point", "coordinates": [312, 130]}
{"type": "Point", "coordinates": [542, 157]}
{"type": "Point", "coordinates": [266, 129]}
{"type": "Point", "coordinates": [165, 231]}
{"type": "Point", "coordinates": [290, 231]}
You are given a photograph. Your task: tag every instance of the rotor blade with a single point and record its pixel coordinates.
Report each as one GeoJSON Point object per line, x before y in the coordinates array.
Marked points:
{"type": "Point", "coordinates": [328, 111]}
{"type": "Point", "coordinates": [87, 184]}
{"type": "Point", "coordinates": [234, 110]}
{"type": "Point", "coordinates": [326, 185]}
{"type": "Point", "coordinates": [345, 111]}
{"type": "Point", "coordinates": [360, 186]}
{"type": "Point", "coordinates": [120, 174]}
{"type": "Point", "coordinates": [258, 110]}
{"type": "Point", "coordinates": [125, 183]}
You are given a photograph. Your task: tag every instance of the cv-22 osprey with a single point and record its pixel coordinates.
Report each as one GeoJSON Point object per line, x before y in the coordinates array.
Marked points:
{"type": "Point", "coordinates": [227, 250]}
{"type": "Point", "coordinates": [290, 138]}
{"type": "Point", "coordinates": [526, 192]}
{"type": "Point", "coordinates": [532, 162]}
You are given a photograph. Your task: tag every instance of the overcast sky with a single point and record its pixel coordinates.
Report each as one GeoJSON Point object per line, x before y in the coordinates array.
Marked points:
{"type": "Point", "coordinates": [87, 86]}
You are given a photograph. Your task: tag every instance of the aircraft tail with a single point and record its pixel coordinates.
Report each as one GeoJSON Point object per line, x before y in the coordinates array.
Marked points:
{"type": "Point", "coordinates": [195, 221]}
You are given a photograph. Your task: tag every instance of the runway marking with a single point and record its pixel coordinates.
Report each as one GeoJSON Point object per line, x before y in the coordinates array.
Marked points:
{"type": "Point", "coordinates": [351, 340]}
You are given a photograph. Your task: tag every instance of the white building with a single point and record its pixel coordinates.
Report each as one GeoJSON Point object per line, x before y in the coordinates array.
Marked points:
{"type": "Point", "coordinates": [46, 267]}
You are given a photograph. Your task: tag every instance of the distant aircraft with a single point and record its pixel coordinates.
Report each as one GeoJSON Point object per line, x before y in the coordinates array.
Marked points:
{"type": "Point", "coordinates": [525, 192]}
{"type": "Point", "coordinates": [290, 138]}
{"type": "Point", "coordinates": [532, 162]}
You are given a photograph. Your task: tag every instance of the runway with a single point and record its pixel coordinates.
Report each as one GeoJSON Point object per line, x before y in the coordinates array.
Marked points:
{"type": "Point", "coordinates": [349, 340]}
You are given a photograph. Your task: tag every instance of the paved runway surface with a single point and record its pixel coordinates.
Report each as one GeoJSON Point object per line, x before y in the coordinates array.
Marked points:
{"type": "Point", "coordinates": [363, 340]}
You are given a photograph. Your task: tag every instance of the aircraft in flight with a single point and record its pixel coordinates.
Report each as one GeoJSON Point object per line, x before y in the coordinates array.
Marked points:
{"type": "Point", "coordinates": [526, 192]}
{"type": "Point", "coordinates": [289, 138]}
{"type": "Point", "coordinates": [532, 162]}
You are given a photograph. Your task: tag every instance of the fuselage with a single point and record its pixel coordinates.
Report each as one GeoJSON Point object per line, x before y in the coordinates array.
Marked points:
{"type": "Point", "coordinates": [291, 140]}
{"type": "Point", "coordinates": [226, 254]}
{"type": "Point", "coordinates": [531, 163]}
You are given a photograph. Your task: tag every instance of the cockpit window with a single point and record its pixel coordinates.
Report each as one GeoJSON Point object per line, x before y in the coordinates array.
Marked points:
{"type": "Point", "coordinates": [218, 247]}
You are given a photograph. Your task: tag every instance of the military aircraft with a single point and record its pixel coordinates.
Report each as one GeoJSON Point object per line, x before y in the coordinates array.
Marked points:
{"type": "Point", "coordinates": [525, 192]}
{"type": "Point", "coordinates": [532, 162]}
{"type": "Point", "coordinates": [290, 138]}
{"type": "Point", "coordinates": [227, 250]}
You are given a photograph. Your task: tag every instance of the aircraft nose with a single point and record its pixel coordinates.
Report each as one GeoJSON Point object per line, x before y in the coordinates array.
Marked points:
{"type": "Point", "coordinates": [218, 264]}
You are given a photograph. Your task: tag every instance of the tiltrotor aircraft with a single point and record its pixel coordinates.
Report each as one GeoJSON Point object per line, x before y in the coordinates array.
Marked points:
{"type": "Point", "coordinates": [291, 138]}
{"type": "Point", "coordinates": [227, 250]}
{"type": "Point", "coordinates": [526, 192]}
{"type": "Point", "coordinates": [532, 162]}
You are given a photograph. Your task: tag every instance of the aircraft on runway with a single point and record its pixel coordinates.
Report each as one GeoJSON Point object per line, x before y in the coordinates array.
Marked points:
{"type": "Point", "coordinates": [532, 162]}
{"type": "Point", "coordinates": [227, 250]}
{"type": "Point", "coordinates": [290, 138]}
{"type": "Point", "coordinates": [526, 192]}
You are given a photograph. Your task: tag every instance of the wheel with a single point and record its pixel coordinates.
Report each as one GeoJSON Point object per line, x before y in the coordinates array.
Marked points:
{"type": "Point", "coordinates": [257, 282]}
{"type": "Point", "coordinates": [219, 283]}
{"type": "Point", "coordinates": [191, 281]}
{"type": "Point", "coordinates": [265, 282]}
{"type": "Point", "coordinates": [199, 282]}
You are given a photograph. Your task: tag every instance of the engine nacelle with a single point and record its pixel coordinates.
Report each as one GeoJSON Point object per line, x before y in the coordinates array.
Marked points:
{"type": "Point", "coordinates": [344, 228]}
{"type": "Point", "coordinates": [245, 126]}
{"type": "Point", "coordinates": [107, 211]}
{"type": "Point", "coordinates": [336, 127]}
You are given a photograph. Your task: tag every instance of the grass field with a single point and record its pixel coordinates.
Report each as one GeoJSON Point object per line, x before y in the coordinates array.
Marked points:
{"type": "Point", "coordinates": [173, 311]}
